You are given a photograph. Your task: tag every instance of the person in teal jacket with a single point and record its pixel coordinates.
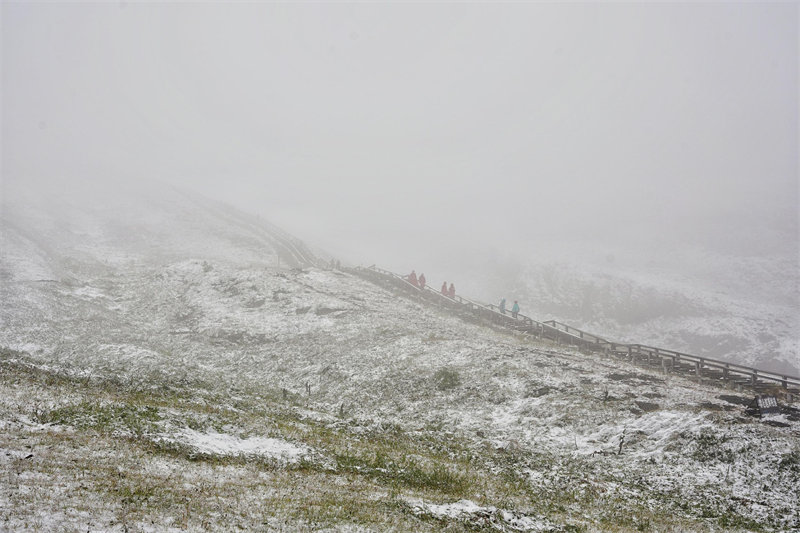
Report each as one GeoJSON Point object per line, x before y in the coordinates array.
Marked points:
{"type": "Point", "coordinates": [515, 309]}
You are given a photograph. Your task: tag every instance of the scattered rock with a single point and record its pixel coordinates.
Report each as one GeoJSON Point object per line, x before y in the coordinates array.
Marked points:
{"type": "Point", "coordinates": [537, 392]}
{"type": "Point", "coordinates": [255, 304]}
{"type": "Point", "coordinates": [322, 311]}
{"type": "Point", "coordinates": [647, 407]}
{"type": "Point", "coordinates": [736, 400]}
{"type": "Point", "coordinates": [634, 378]}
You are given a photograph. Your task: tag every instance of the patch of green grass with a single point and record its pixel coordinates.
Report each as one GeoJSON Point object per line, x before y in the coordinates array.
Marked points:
{"type": "Point", "coordinates": [447, 379]}
{"type": "Point", "coordinates": [709, 447]}
{"type": "Point", "coordinates": [128, 419]}
{"type": "Point", "coordinates": [407, 471]}
{"type": "Point", "coordinates": [790, 462]}
{"type": "Point", "coordinates": [732, 520]}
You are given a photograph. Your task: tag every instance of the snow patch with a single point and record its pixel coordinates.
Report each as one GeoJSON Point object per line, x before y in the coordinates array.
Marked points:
{"type": "Point", "coordinates": [126, 352]}
{"type": "Point", "coordinates": [88, 293]}
{"type": "Point", "coordinates": [469, 511]}
{"type": "Point", "coordinates": [657, 429]}
{"type": "Point", "coordinates": [228, 445]}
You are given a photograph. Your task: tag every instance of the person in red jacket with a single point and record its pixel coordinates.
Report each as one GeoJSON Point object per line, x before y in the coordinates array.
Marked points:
{"type": "Point", "coordinates": [451, 292]}
{"type": "Point", "coordinates": [421, 281]}
{"type": "Point", "coordinates": [444, 289]}
{"type": "Point", "coordinates": [412, 278]}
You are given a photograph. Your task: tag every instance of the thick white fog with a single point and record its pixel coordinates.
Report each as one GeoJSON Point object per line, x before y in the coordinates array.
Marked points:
{"type": "Point", "coordinates": [444, 137]}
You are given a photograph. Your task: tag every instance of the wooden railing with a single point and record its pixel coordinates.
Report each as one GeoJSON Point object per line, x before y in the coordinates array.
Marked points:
{"type": "Point", "coordinates": [671, 360]}
{"type": "Point", "coordinates": [667, 360]}
{"type": "Point", "coordinates": [583, 335]}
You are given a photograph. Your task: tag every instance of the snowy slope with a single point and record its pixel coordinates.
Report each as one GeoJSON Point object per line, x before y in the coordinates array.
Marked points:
{"type": "Point", "coordinates": [195, 309]}
{"type": "Point", "coordinates": [94, 226]}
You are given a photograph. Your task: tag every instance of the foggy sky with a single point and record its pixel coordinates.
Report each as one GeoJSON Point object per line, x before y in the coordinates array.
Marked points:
{"type": "Point", "coordinates": [391, 133]}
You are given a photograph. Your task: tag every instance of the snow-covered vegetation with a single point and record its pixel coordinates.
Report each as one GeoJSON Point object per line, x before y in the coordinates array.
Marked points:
{"type": "Point", "coordinates": [173, 374]}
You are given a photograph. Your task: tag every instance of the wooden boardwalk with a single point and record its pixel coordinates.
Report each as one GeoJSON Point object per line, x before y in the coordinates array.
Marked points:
{"type": "Point", "coordinates": [668, 361]}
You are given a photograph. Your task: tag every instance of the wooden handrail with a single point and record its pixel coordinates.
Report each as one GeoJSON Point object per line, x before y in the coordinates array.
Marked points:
{"type": "Point", "coordinates": [706, 362]}
{"type": "Point", "coordinates": [575, 331]}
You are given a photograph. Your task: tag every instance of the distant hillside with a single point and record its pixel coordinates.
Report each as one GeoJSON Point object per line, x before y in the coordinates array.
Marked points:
{"type": "Point", "coordinates": [50, 230]}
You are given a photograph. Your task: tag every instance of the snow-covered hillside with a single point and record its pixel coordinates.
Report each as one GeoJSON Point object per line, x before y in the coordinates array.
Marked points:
{"type": "Point", "coordinates": [53, 230]}
{"type": "Point", "coordinates": [163, 370]}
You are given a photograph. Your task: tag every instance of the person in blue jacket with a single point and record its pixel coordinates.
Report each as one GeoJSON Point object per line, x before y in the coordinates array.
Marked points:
{"type": "Point", "coordinates": [515, 309]}
{"type": "Point", "coordinates": [503, 305]}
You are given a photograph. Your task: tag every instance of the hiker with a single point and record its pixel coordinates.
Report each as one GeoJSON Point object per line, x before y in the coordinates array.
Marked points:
{"type": "Point", "coordinates": [444, 289]}
{"type": "Point", "coordinates": [503, 305]}
{"type": "Point", "coordinates": [421, 282]}
{"type": "Point", "coordinates": [451, 292]}
{"type": "Point", "coordinates": [412, 278]}
{"type": "Point", "coordinates": [515, 309]}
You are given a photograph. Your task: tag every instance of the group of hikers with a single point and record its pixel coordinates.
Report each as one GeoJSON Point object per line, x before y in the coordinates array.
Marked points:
{"type": "Point", "coordinates": [419, 282]}
{"type": "Point", "coordinates": [450, 292]}
{"type": "Point", "coordinates": [514, 308]}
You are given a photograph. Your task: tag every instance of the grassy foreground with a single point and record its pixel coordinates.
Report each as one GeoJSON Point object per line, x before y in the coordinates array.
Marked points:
{"type": "Point", "coordinates": [83, 454]}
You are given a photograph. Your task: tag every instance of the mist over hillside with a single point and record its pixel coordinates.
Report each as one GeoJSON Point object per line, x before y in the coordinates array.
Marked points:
{"type": "Point", "coordinates": [728, 301]}
{"type": "Point", "coordinates": [163, 363]}
{"type": "Point", "coordinates": [98, 223]}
